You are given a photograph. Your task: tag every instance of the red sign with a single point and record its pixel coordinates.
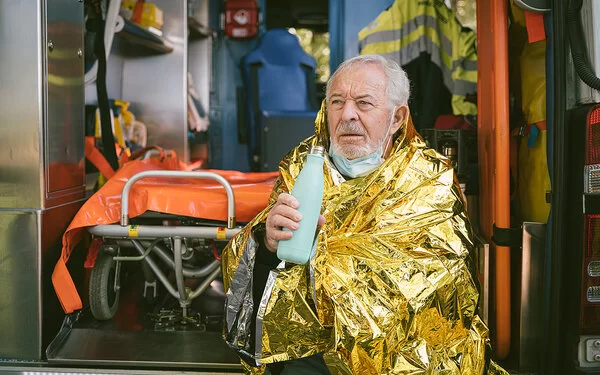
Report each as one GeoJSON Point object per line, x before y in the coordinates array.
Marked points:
{"type": "Point", "coordinates": [241, 19]}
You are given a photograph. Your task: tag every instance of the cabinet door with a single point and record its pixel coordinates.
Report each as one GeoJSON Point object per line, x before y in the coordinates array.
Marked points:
{"type": "Point", "coordinates": [64, 125]}
{"type": "Point", "coordinates": [20, 104]}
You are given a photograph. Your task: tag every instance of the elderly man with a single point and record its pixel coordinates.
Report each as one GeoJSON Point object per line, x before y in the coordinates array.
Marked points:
{"type": "Point", "coordinates": [391, 287]}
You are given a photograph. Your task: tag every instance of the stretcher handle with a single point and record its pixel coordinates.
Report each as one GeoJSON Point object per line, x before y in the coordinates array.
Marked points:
{"type": "Point", "coordinates": [179, 174]}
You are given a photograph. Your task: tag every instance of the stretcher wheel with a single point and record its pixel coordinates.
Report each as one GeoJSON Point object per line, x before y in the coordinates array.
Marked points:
{"type": "Point", "coordinates": [104, 300]}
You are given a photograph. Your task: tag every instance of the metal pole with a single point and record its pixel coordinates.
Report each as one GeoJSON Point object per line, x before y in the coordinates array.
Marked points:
{"type": "Point", "coordinates": [158, 231]}
{"type": "Point", "coordinates": [195, 273]}
{"type": "Point", "coordinates": [179, 273]}
{"type": "Point", "coordinates": [139, 257]}
{"type": "Point", "coordinates": [161, 276]}
{"type": "Point", "coordinates": [202, 287]}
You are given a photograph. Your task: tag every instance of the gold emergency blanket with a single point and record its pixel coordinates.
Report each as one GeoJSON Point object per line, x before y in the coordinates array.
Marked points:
{"type": "Point", "coordinates": [391, 288]}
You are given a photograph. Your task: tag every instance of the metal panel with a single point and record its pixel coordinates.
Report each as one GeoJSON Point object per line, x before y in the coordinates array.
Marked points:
{"type": "Point", "coordinates": [588, 352]}
{"type": "Point", "coordinates": [156, 84]}
{"type": "Point", "coordinates": [102, 345]}
{"type": "Point", "coordinates": [200, 54]}
{"type": "Point", "coordinates": [64, 128]}
{"type": "Point", "coordinates": [532, 291]}
{"type": "Point", "coordinates": [39, 67]}
{"type": "Point", "coordinates": [199, 65]}
{"type": "Point", "coordinates": [20, 104]}
{"type": "Point", "coordinates": [482, 258]}
{"type": "Point", "coordinates": [281, 133]}
{"type": "Point", "coordinates": [30, 314]}
{"type": "Point", "coordinates": [20, 297]}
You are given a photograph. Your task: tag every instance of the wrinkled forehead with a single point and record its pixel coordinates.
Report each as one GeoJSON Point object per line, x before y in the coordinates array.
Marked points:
{"type": "Point", "coordinates": [358, 80]}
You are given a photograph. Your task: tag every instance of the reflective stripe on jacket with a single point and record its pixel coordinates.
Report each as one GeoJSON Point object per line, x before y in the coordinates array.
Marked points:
{"type": "Point", "coordinates": [409, 28]}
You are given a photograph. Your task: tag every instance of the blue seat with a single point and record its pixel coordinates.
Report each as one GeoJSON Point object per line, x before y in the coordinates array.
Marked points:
{"type": "Point", "coordinates": [280, 87]}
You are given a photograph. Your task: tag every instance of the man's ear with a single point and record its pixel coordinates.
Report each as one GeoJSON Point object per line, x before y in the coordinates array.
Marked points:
{"type": "Point", "coordinates": [400, 118]}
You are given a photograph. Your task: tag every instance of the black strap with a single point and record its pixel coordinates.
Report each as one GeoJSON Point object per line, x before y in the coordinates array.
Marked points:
{"type": "Point", "coordinates": [108, 140]}
{"type": "Point", "coordinates": [311, 87]}
{"type": "Point", "coordinates": [509, 237]}
{"type": "Point", "coordinates": [254, 89]}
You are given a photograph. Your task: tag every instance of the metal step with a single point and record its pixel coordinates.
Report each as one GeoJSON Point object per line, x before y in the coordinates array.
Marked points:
{"type": "Point", "coordinates": [86, 342]}
{"type": "Point", "coordinates": [46, 370]}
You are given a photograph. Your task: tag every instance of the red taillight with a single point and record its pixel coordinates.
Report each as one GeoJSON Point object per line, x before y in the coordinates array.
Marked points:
{"type": "Point", "coordinates": [590, 280]}
{"type": "Point", "coordinates": [591, 170]}
{"type": "Point", "coordinates": [592, 235]}
{"type": "Point", "coordinates": [593, 138]}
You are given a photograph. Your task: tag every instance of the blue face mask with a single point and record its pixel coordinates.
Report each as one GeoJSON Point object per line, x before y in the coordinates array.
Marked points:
{"type": "Point", "coordinates": [357, 167]}
{"type": "Point", "coordinates": [360, 167]}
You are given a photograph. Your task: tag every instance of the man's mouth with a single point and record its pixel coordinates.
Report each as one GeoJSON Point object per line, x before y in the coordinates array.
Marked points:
{"type": "Point", "coordinates": [351, 137]}
{"type": "Point", "coordinates": [351, 140]}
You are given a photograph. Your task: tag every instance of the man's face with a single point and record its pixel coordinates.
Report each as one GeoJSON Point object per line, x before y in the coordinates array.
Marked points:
{"type": "Point", "coordinates": [358, 113]}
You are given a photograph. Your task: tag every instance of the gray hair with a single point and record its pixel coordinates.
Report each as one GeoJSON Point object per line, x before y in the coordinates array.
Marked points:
{"type": "Point", "coordinates": [398, 86]}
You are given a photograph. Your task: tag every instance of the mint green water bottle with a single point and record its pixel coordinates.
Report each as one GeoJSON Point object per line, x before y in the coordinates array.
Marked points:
{"type": "Point", "coordinates": [308, 190]}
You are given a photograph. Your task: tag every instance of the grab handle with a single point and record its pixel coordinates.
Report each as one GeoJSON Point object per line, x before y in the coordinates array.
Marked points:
{"type": "Point", "coordinates": [178, 174]}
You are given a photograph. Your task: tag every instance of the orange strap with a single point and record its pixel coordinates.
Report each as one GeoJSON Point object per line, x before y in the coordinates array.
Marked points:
{"type": "Point", "coordinates": [96, 158]}
{"type": "Point", "coordinates": [535, 26]}
{"type": "Point", "coordinates": [61, 280]}
{"type": "Point", "coordinates": [93, 251]}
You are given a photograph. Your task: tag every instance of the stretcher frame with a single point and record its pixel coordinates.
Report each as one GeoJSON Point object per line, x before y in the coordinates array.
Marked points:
{"type": "Point", "coordinates": [137, 234]}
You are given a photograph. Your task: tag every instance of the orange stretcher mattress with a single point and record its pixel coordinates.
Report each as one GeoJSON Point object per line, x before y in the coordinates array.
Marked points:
{"type": "Point", "coordinates": [198, 198]}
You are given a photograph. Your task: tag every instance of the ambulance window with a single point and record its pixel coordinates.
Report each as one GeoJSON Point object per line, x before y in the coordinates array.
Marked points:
{"type": "Point", "coordinates": [315, 44]}
{"type": "Point", "coordinates": [309, 20]}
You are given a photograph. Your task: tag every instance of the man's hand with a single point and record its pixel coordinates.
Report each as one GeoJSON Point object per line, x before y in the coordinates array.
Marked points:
{"type": "Point", "coordinates": [284, 214]}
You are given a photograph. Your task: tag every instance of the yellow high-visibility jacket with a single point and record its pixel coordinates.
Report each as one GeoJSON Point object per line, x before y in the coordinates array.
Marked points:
{"type": "Point", "coordinates": [409, 27]}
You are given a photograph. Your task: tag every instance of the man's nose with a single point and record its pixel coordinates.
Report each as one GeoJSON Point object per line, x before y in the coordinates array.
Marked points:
{"type": "Point", "coordinates": [349, 112]}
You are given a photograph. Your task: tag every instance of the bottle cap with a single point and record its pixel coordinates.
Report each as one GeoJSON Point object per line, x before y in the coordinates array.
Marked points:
{"type": "Point", "coordinates": [320, 150]}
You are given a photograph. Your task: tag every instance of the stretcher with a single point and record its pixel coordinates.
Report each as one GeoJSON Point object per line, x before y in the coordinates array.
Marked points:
{"type": "Point", "coordinates": [168, 219]}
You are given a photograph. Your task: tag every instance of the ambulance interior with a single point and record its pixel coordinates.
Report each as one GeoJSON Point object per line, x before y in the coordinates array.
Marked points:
{"type": "Point", "coordinates": [213, 94]}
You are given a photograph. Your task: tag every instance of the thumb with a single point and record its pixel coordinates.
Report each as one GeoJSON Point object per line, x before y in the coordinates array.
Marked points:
{"type": "Point", "coordinates": [321, 220]}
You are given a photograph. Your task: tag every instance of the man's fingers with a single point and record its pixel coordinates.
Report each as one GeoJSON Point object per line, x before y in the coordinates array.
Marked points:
{"type": "Point", "coordinates": [284, 215]}
{"type": "Point", "coordinates": [286, 212]}
{"type": "Point", "coordinates": [275, 234]}
{"type": "Point", "coordinates": [279, 235]}
{"type": "Point", "coordinates": [288, 200]}
{"type": "Point", "coordinates": [279, 221]}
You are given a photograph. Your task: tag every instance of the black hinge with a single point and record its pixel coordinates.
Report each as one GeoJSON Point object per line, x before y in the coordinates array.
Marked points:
{"type": "Point", "coordinates": [509, 237]}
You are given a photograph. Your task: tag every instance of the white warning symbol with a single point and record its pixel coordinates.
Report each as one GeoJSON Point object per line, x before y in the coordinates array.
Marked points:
{"type": "Point", "coordinates": [241, 17]}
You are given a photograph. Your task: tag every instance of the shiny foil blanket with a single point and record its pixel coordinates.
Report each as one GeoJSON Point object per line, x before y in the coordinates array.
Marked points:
{"type": "Point", "coordinates": [391, 288]}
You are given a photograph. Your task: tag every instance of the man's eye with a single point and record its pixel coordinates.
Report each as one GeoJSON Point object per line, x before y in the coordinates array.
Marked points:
{"type": "Point", "coordinates": [364, 104]}
{"type": "Point", "coordinates": [336, 102]}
